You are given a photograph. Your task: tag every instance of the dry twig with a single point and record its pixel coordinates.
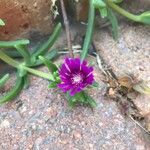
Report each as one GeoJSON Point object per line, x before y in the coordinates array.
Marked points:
{"type": "Point", "coordinates": [66, 23]}
{"type": "Point", "coordinates": [137, 123]}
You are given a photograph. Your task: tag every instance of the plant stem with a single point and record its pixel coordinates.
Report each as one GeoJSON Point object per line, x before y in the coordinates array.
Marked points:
{"type": "Point", "coordinates": [16, 64]}
{"type": "Point", "coordinates": [10, 44]}
{"type": "Point", "coordinates": [38, 73]}
{"type": "Point", "coordinates": [89, 33]}
{"type": "Point", "coordinates": [13, 92]}
{"type": "Point", "coordinates": [22, 49]}
{"type": "Point", "coordinates": [8, 60]}
{"type": "Point", "coordinates": [3, 80]}
{"type": "Point", "coordinates": [122, 11]}
{"type": "Point", "coordinates": [66, 23]}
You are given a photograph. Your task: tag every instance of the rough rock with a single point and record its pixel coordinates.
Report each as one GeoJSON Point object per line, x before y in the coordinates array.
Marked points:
{"type": "Point", "coordinates": [40, 119]}
{"type": "Point", "coordinates": [137, 6]}
{"type": "Point", "coordinates": [143, 104]}
{"type": "Point", "coordinates": [130, 54]}
{"type": "Point", "coordinates": [25, 18]}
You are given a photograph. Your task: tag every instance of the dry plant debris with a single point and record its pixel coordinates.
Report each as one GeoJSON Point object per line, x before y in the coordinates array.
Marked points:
{"type": "Point", "coordinates": [124, 90]}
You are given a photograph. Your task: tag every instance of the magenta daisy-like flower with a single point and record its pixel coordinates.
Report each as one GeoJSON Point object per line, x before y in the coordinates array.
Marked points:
{"type": "Point", "coordinates": [75, 75]}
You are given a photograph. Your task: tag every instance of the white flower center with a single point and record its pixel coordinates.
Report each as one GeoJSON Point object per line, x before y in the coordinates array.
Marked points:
{"type": "Point", "coordinates": [77, 78]}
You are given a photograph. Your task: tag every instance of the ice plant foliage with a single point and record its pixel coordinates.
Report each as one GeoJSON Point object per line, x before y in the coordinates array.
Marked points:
{"type": "Point", "coordinates": [75, 75]}
{"type": "Point", "coordinates": [28, 61]}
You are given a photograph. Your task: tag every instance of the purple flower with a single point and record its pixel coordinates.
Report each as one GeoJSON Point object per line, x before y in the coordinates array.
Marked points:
{"type": "Point", "coordinates": [75, 75]}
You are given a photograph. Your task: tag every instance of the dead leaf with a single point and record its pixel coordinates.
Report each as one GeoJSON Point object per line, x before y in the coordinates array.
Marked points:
{"type": "Point", "coordinates": [113, 83]}
{"type": "Point", "coordinates": [111, 92]}
{"type": "Point", "coordinates": [126, 82]}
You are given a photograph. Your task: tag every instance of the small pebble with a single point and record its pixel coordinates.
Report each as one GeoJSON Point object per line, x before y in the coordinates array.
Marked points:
{"type": "Point", "coordinates": [5, 124]}
{"type": "Point", "coordinates": [77, 135]}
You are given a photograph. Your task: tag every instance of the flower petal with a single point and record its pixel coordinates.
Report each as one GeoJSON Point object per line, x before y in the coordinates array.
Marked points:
{"type": "Point", "coordinates": [71, 68]}
{"type": "Point", "coordinates": [89, 80]}
{"type": "Point", "coordinates": [64, 87]}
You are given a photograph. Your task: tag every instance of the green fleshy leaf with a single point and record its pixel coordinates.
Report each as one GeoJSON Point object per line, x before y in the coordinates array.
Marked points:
{"type": "Point", "coordinates": [8, 59]}
{"type": "Point", "coordinates": [53, 85]}
{"type": "Point", "coordinates": [71, 103]}
{"type": "Point", "coordinates": [26, 82]}
{"type": "Point", "coordinates": [13, 92]}
{"type": "Point", "coordinates": [51, 66]}
{"type": "Point", "coordinates": [95, 84]}
{"type": "Point", "coordinates": [117, 1]}
{"type": "Point", "coordinates": [23, 50]}
{"type": "Point", "coordinates": [99, 4]}
{"type": "Point", "coordinates": [3, 80]}
{"type": "Point", "coordinates": [145, 17]}
{"type": "Point", "coordinates": [89, 31]}
{"type": "Point", "coordinates": [114, 22]}
{"type": "Point", "coordinates": [2, 23]}
{"type": "Point", "coordinates": [50, 55]}
{"type": "Point", "coordinates": [71, 100]}
{"type": "Point", "coordinates": [81, 98]}
{"type": "Point", "coordinates": [91, 63]}
{"type": "Point", "coordinates": [103, 12]}
{"type": "Point", "coordinates": [11, 44]}
{"type": "Point", "coordinates": [91, 101]}
{"type": "Point", "coordinates": [56, 74]}
{"type": "Point", "coordinates": [22, 72]}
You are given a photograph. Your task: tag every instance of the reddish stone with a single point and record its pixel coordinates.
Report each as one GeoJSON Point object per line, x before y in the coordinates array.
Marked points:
{"type": "Point", "coordinates": [24, 17]}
